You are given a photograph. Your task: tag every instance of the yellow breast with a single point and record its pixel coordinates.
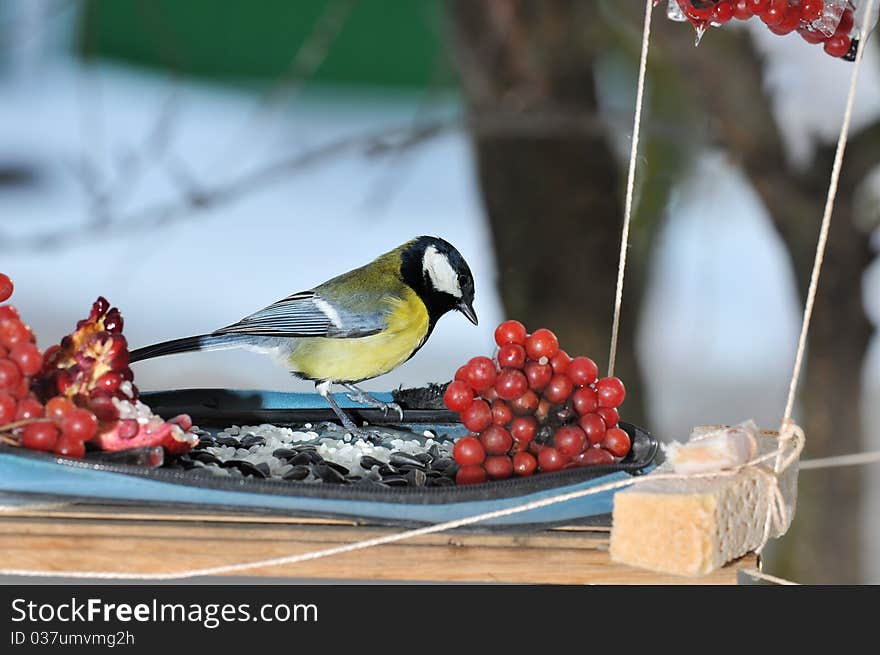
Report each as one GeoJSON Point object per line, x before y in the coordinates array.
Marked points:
{"type": "Point", "coordinates": [352, 360]}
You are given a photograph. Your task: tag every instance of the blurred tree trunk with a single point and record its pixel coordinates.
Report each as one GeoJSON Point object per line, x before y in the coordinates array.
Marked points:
{"type": "Point", "coordinates": [554, 196]}
{"type": "Point", "coordinates": [724, 76]}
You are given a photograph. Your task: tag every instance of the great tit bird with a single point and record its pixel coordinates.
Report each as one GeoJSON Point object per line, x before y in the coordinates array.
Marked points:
{"type": "Point", "coordinates": [357, 326]}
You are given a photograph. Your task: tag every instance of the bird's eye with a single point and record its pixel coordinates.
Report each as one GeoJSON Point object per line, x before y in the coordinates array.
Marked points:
{"type": "Point", "coordinates": [462, 280]}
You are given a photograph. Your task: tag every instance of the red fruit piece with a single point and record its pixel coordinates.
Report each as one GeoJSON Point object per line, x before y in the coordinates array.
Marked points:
{"type": "Point", "coordinates": [6, 287]}
{"type": "Point", "coordinates": [550, 459]}
{"type": "Point", "coordinates": [496, 440]}
{"type": "Point", "coordinates": [70, 448]}
{"type": "Point", "coordinates": [468, 451]}
{"type": "Point", "coordinates": [501, 413]}
{"type": "Point", "coordinates": [109, 382]}
{"type": "Point", "coordinates": [498, 467]}
{"type": "Point", "coordinates": [7, 408]}
{"type": "Point", "coordinates": [616, 442]}
{"type": "Point", "coordinates": [775, 12]}
{"type": "Point", "coordinates": [593, 426]}
{"type": "Point", "coordinates": [742, 9]}
{"type": "Point", "coordinates": [511, 355]}
{"type": "Point", "coordinates": [474, 474]}
{"type": "Point", "coordinates": [722, 12]}
{"type": "Point", "coordinates": [846, 23]}
{"type": "Point", "coordinates": [10, 375]}
{"type": "Point", "coordinates": [811, 10]}
{"type": "Point", "coordinates": [14, 332]}
{"type": "Point", "coordinates": [511, 383]}
{"type": "Point", "coordinates": [524, 464]}
{"type": "Point", "coordinates": [28, 358]}
{"type": "Point", "coordinates": [569, 440]}
{"type": "Point", "coordinates": [758, 6]}
{"type": "Point", "coordinates": [538, 375]}
{"type": "Point", "coordinates": [477, 417]}
{"type": "Point", "coordinates": [40, 436]}
{"type": "Point", "coordinates": [610, 392]}
{"type": "Point", "coordinates": [559, 389]}
{"type": "Point", "coordinates": [838, 45]}
{"type": "Point", "coordinates": [58, 407]}
{"type": "Point", "coordinates": [510, 332]}
{"type": "Point", "coordinates": [458, 396]}
{"type": "Point", "coordinates": [523, 429]}
{"type": "Point", "coordinates": [542, 345]}
{"type": "Point", "coordinates": [461, 374]}
{"type": "Point", "coordinates": [594, 457]}
{"type": "Point", "coordinates": [583, 371]}
{"type": "Point", "coordinates": [79, 425]}
{"type": "Point", "coordinates": [526, 404]}
{"type": "Point", "coordinates": [560, 362]}
{"type": "Point", "coordinates": [481, 373]}
{"type": "Point", "coordinates": [28, 408]}
{"type": "Point", "coordinates": [610, 415]}
{"type": "Point", "coordinates": [585, 400]}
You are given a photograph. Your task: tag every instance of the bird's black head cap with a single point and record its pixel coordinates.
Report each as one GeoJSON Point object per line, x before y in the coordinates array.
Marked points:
{"type": "Point", "coordinates": [441, 277]}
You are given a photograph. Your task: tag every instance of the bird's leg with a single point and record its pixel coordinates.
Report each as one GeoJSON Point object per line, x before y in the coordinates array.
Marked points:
{"type": "Point", "coordinates": [358, 395]}
{"type": "Point", "coordinates": [323, 388]}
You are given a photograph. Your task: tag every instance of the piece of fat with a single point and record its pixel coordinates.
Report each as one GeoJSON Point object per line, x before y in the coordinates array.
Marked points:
{"type": "Point", "coordinates": [693, 527]}
{"type": "Point", "coordinates": [714, 449]}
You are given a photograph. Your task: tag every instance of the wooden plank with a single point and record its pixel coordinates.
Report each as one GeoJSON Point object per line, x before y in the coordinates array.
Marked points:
{"type": "Point", "coordinates": [156, 544]}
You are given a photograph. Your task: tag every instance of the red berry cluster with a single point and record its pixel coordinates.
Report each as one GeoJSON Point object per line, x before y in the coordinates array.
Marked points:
{"type": "Point", "coordinates": [533, 409]}
{"type": "Point", "coordinates": [58, 425]}
{"type": "Point", "coordinates": [87, 387]}
{"type": "Point", "coordinates": [810, 18]}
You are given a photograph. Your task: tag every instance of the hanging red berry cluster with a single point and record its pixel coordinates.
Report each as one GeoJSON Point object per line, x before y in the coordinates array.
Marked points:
{"type": "Point", "coordinates": [76, 393]}
{"type": "Point", "coordinates": [829, 22]}
{"type": "Point", "coordinates": [534, 409]}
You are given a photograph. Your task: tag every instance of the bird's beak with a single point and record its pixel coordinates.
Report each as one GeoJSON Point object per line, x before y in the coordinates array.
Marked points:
{"type": "Point", "coordinates": [466, 307]}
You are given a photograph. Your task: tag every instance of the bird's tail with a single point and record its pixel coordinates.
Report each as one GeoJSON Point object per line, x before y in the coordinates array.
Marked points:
{"type": "Point", "coordinates": [189, 344]}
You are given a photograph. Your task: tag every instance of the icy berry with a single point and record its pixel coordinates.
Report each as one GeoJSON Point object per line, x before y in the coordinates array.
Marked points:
{"type": "Point", "coordinates": [473, 474]}
{"type": "Point", "coordinates": [742, 9]}
{"type": "Point", "coordinates": [524, 464]}
{"type": "Point", "coordinates": [498, 467]}
{"type": "Point", "coordinates": [838, 45]}
{"type": "Point", "coordinates": [6, 287]}
{"type": "Point", "coordinates": [477, 417]}
{"type": "Point", "coordinates": [458, 396]}
{"type": "Point", "coordinates": [510, 332]}
{"type": "Point", "coordinates": [468, 451]}
{"type": "Point", "coordinates": [40, 436]}
{"type": "Point", "coordinates": [775, 12]}
{"type": "Point", "coordinates": [811, 10]}
{"type": "Point", "coordinates": [722, 12]}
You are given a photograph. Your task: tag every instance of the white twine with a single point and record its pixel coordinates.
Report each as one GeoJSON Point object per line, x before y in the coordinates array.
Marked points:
{"type": "Point", "coordinates": [791, 436]}
{"type": "Point", "coordinates": [630, 186]}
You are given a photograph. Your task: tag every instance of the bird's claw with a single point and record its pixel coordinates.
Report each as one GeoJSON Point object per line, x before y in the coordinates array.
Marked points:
{"type": "Point", "coordinates": [365, 399]}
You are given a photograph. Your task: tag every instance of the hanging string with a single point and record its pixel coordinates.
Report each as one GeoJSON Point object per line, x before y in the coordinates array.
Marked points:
{"type": "Point", "coordinates": [630, 186]}
{"type": "Point", "coordinates": [826, 215]}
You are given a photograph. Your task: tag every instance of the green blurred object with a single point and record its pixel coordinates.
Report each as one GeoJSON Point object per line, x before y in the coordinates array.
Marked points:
{"type": "Point", "coordinates": [380, 43]}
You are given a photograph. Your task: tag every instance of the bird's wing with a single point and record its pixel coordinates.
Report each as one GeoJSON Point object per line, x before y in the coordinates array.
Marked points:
{"type": "Point", "coordinates": [307, 314]}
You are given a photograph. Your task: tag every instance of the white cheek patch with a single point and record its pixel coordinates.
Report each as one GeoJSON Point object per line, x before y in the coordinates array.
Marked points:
{"type": "Point", "coordinates": [443, 277]}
